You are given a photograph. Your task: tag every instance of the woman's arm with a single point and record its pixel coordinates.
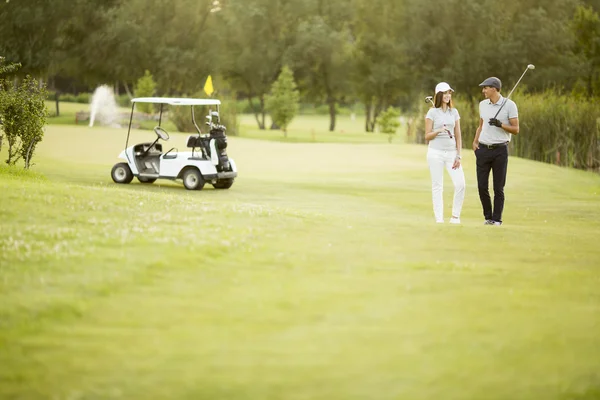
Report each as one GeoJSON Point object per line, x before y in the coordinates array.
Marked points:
{"type": "Point", "coordinates": [429, 133]}
{"type": "Point", "coordinates": [458, 135]}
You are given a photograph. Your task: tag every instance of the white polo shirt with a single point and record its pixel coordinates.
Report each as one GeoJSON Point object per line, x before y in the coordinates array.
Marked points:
{"type": "Point", "coordinates": [440, 118]}
{"type": "Point", "coordinates": [492, 134]}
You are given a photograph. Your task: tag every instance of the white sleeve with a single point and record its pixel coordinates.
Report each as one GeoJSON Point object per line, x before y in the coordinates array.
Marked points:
{"type": "Point", "coordinates": [512, 110]}
{"type": "Point", "coordinates": [456, 114]}
{"type": "Point", "coordinates": [430, 114]}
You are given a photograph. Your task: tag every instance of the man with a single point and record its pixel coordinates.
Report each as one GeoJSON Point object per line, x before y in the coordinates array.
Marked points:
{"type": "Point", "coordinates": [491, 146]}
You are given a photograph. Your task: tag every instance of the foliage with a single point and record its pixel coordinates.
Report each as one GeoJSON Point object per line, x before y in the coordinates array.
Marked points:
{"type": "Point", "coordinates": [283, 101]}
{"type": "Point", "coordinates": [254, 38]}
{"type": "Point", "coordinates": [322, 54]}
{"type": "Point", "coordinates": [388, 122]}
{"type": "Point", "coordinates": [559, 129]}
{"type": "Point", "coordinates": [381, 64]}
{"type": "Point", "coordinates": [181, 116]}
{"type": "Point", "coordinates": [23, 114]}
{"type": "Point", "coordinates": [229, 114]}
{"type": "Point", "coordinates": [145, 87]}
{"type": "Point", "coordinates": [7, 69]}
{"type": "Point", "coordinates": [586, 28]}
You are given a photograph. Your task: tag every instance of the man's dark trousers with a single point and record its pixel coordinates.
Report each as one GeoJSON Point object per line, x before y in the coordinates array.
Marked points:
{"type": "Point", "coordinates": [492, 158]}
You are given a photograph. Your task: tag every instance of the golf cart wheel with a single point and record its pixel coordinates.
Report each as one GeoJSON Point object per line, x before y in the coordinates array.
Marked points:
{"type": "Point", "coordinates": [223, 184]}
{"type": "Point", "coordinates": [146, 180]}
{"type": "Point", "coordinates": [121, 173]}
{"type": "Point", "coordinates": [192, 179]}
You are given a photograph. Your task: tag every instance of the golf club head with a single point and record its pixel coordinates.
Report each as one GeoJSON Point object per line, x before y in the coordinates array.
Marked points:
{"type": "Point", "coordinates": [429, 99]}
{"type": "Point", "coordinates": [530, 66]}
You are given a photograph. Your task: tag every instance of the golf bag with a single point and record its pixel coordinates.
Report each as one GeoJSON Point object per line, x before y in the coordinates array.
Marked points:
{"type": "Point", "coordinates": [217, 145]}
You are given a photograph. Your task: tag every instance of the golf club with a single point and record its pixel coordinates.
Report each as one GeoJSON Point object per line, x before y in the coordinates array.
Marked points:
{"type": "Point", "coordinates": [530, 66]}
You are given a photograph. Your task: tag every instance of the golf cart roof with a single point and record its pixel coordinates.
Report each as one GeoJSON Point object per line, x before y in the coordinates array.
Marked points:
{"type": "Point", "coordinates": [174, 101]}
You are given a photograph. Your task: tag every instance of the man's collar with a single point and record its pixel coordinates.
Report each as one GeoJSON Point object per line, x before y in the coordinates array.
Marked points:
{"type": "Point", "coordinates": [498, 102]}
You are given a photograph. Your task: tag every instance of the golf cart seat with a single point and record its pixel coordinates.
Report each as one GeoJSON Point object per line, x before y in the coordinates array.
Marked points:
{"type": "Point", "coordinates": [195, 142]}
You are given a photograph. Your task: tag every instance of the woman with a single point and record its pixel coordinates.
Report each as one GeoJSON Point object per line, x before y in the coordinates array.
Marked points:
{"type": "Point", "coordinates": [442, 131]}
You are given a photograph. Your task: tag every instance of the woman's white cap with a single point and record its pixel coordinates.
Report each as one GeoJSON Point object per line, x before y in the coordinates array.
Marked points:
{"type": "Point", "coordinates": [442, 87]}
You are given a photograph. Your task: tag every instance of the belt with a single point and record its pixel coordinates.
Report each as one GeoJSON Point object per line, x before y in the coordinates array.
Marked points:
{"type": "Point", "coordinates": [493, 146]}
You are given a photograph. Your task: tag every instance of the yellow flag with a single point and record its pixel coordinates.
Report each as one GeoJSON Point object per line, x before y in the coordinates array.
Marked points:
{"type": "Point", "coordinates": [208, 87]}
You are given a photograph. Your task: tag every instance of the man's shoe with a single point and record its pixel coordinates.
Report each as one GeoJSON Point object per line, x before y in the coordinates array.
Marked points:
{"type": "Point", "coordinates": [492, 222]}
{"type": "Point", "coordinates": [455, 220]}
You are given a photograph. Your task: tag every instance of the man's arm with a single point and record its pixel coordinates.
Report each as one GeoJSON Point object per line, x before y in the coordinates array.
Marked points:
{"type": "Point", "coordinates": [477, 133]}
{"type": "Point", "coordinates": [513, 127]}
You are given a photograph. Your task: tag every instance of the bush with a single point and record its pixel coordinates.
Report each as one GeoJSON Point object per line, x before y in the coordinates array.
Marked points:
{"type": "Point", "coordinates": [123, 100]}
{"type": "Point", "coordinates": [388, 122]}
{"type": "Point", "coordinates": [83, 98]}
{"type": "Point", "coordinates": [145, 87]}
{"type": "Point", "coordinates": [282, 102]}
{"type": "Point", "coordinates": [181, 116]}
{"type": "Point", "coordinates": [559, 129]}
{"type": "Point", "coordinates": [23, 114]}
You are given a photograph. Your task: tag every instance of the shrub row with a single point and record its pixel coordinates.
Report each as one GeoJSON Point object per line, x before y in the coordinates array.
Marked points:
{"type": "Point", "coordinates": [85, 98]}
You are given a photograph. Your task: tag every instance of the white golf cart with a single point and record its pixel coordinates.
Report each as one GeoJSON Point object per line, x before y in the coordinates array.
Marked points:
{"type": "Point", "coordinates": [207, 162]}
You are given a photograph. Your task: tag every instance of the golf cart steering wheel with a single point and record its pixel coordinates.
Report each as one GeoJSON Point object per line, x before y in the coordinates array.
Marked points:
{"type": "Point", "coordinates": [161, 133]}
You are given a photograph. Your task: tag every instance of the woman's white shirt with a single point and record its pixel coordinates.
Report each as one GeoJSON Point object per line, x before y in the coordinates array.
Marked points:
{"type": "Point", "coordinates": [440, 118]}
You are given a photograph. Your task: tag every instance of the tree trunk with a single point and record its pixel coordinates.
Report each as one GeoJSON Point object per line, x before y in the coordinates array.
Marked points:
{"type": "Point", "coordinates": [262, 112]}
{"type": "Point", "coordinates": [57, 94]}
{"type": "Point", "coordinates": [376, 113]}
{"type": "Point", "coordinates": [331, 114]}
{"type": "Point", "coordinates": [367, 115]}
{"type": "Point", "coordinates": [127, 90]}
{"type": "Point", "coordinates": [256, 113]}
{"type": "Point", "coordinates": [28, 156]}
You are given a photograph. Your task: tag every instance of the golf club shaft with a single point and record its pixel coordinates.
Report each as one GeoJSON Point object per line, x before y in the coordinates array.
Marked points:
{"type": "Point", "coordinates": [511, 92]}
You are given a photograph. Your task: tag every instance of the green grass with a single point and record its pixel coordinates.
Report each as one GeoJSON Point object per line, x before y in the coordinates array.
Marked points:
{"type": "Point", "coordinates": [319, 275]}
{"type": "Point", "coordinates": [315, 129]}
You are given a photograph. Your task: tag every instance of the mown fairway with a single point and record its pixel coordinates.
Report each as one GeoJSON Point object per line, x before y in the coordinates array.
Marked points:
{"type": "Point", "coordinates": [319, 275]}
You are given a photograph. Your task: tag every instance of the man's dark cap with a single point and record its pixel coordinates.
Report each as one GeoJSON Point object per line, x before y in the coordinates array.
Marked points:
{"type": "Point", "coordinates": [492, 82]}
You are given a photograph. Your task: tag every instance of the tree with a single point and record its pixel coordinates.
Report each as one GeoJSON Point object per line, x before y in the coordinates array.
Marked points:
{"type": "Point", "coordinates": [322, 55]}
{"type": "Point", "coordinates": [255, 37]}
{"type": "Point", "coordinates": [388, 122]}
{"type": "Point", "coordinates": [586, 27]}
{"type": "Point", "coordinates": [282, 102]}
{"type": "Point", "coordinates": [145, 87]}
{"type": "Point", "coordinates": [382, 66]}
{"type": "Point", "coordinates": [23, 114]}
